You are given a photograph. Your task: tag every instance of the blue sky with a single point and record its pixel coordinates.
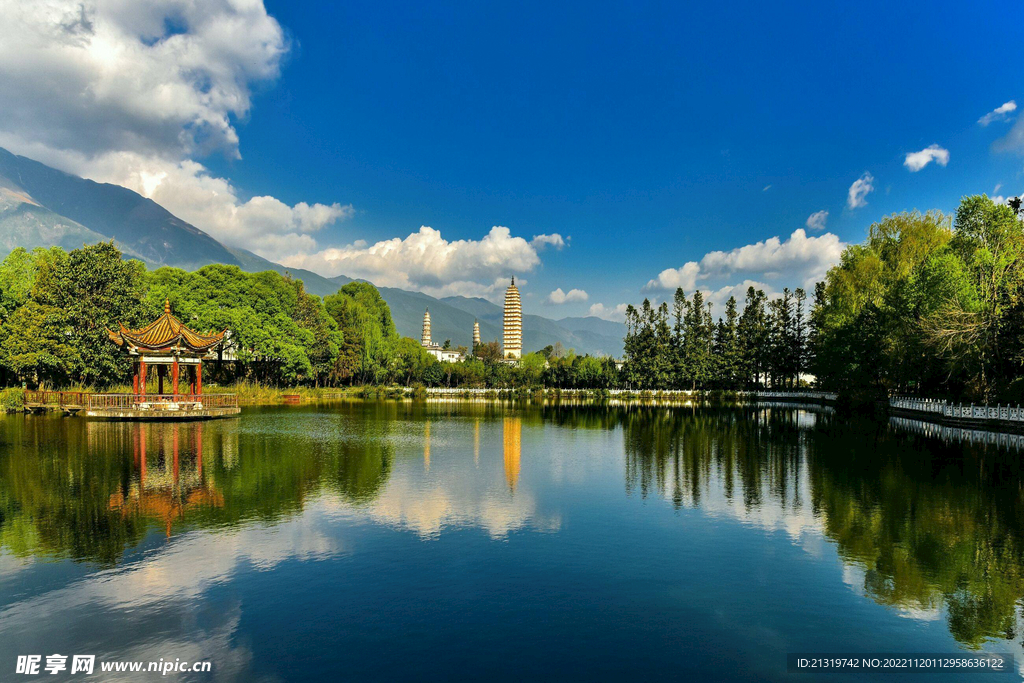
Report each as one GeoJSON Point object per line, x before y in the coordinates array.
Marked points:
{"type": "Point", "coordinates": [648, 133]}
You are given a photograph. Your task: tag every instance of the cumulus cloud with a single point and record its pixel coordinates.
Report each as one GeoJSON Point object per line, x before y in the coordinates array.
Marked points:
{"type": "Point", "coordinates": [132, 93]}
{"type": "Point", "coordinates": [673, 278]}
{"type": "Point", "coordinates": [915, 161]}
{"type": "Point", "coordinates": [427, 262]}
{"type": "Point", "coordinates": [613, 313]}
{"type": "Point", "coordinates": [540, 242]}
{"type": "Point", "coordinates": [857, 196]}
{"type": "Point", "coordinates": [800, 258]}
{"type": "Point", "coordinates": [573, 295]}
{"type": "Point", "coordinates": [817, 220]}
{"type": "Point", "coordinates": [1000, 113]}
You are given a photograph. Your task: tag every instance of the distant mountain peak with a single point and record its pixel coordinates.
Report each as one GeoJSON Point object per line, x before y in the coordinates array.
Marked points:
{"type": "Point", "coordinates": [42, 206]}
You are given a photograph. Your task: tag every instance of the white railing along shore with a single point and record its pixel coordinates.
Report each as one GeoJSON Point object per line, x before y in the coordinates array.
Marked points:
{"type": "Point", "coordinates": [998, 412]}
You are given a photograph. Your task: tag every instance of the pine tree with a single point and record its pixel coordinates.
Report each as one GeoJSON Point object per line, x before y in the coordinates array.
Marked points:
{"type": "Point", "coordinates": [799, 334]}
{"type": "Point", "coordinates": [752, 338]}
{"type": "Point", "coordinates": [680, 372]}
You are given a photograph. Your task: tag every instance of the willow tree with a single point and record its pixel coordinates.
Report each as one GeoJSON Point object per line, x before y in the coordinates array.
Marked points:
{"type": "Point", "coordinates": [370, 337]}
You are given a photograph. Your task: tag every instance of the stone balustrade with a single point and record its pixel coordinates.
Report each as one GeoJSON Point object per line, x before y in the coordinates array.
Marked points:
{"type": "Point", "coordinates": [996, 413]}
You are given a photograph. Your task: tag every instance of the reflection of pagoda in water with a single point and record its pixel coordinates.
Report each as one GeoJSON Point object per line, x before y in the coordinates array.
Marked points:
{"type": "Point", "coordinates": [169, 461]}
{"type": "Point", "coordinates": [512, 431]}
{"type": "Point", "coordinates": [426, 447]}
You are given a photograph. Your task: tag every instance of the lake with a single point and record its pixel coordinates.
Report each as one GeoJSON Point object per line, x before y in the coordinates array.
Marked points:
{"type": "Point", "coordinates": [442, 541]}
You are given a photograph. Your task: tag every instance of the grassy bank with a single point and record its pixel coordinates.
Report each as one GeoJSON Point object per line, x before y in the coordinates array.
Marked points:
{"type": "Point", "coordinates": [253, 394]}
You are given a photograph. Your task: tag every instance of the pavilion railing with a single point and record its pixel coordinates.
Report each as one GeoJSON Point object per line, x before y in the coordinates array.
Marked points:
{"type": "Point", "coordinates": [161, 401]}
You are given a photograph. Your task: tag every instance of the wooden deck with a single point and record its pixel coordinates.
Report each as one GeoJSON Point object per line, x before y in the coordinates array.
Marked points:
{"type": "Point", "coordinates": [135, 406]}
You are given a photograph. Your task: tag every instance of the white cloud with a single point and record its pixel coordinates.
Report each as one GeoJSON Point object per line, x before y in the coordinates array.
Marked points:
{"type": "Point", "coordinates": [802, 260]}
{"type": "Point", "coordinates": [859, 191]}
{"type": "Point", "coordinates": [719, 296]}
{"type": "Point", "coordinates": [425, 261]}
{"type": "Point", "coordinates": [560, 297]}
{"type": "Point", "coordinates": [540, 242]}
{"type": "Point", "coordinates": [614, 313]}
{"type": "Point", "coordinates": [672, 278]}
{"type": "Point", "coordinates": [817, 220]}
{"type": "Point", "coordinates": [132, 92]}
{"type": "Point", "coordinates": [109, 74]}
{"type": "Point", "coordinates": [915, 161]}
{"type": "Point", "coordinates": [766, 188]}
{"type": "Point", "coordinates": [1000, 113]}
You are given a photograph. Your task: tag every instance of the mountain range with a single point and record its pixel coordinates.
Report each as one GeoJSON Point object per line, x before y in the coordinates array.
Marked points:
{"type": "Point", "coordinates": [41, 206]}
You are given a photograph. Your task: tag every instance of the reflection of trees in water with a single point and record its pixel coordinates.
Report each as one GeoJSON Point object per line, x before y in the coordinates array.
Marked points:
{"type": "Point", "coordinates": [743, 454]}
{"type": "Point", "coordinates": [89, 490]}
{"type": "Point", "coordinates": [928, 525]}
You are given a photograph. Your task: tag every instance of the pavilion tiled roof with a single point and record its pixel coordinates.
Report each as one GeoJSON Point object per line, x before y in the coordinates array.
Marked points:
{"type": "Point", "coordinates": [164, 333]}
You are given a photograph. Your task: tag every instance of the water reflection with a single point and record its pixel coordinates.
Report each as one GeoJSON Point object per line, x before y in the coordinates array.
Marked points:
{"type": "Point", "coordinates": [927, 527]}
{"type": "Point", "coordinates": [512, 435]}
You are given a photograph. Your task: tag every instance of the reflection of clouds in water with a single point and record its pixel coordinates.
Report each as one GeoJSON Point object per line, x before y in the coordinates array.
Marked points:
{"type": "Point", "coordinates": [452, 500]}
{"type": "Point", "coordinates": [444, 489]}
{"type": "Point", "coordinates": [216, 645]}
{"type": "Point", "coordinates": [169, 583]}
{"type": "Point", "coordinates": [11, 564]}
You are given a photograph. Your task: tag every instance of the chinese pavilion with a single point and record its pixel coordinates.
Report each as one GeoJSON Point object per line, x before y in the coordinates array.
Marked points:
{"type": "Point", "coordinates": [168, 343]}
{"type": "Point", "coordinates": [174, 349]}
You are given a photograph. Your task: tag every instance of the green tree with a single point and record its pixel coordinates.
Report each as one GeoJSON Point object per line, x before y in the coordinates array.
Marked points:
{"type": "Point", "coordinates": [35, 346]}
{"type": "Point", "coordinates": [368, 331]}
{"type": "Point", "coordinates": [89, 291]}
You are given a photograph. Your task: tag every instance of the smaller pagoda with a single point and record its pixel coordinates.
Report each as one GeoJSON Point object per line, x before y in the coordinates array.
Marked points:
{"type": "Point", "coordinates": [175, 350]}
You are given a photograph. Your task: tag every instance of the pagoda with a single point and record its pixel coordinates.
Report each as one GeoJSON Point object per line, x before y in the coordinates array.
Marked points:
{"type": "Point", "coordinates": [173, 348]}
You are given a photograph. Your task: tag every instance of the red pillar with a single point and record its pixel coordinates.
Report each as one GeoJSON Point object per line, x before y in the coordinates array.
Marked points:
{"type": "Point", "coordinates": [142, 376]}
{"type": "Point", "coordinates": [174, 446]}
{"type": "Point", "coordinates": [199, 377]}
{"type": "Point", "coordinates": [199, 449]}
{"type": "Point", "coordinates": [135, 380]}
{"type": "Point", "coordinates": [174, 377]}
{"type": "Point", "coordinates": [142, 459]}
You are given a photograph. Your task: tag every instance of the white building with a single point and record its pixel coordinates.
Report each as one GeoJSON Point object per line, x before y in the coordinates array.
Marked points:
{"type": "Point", "coordinates": [435, 350]}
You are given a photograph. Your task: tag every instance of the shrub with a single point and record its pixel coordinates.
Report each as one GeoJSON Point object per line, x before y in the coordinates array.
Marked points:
{"type": "Point", "coordinates": [12, 400]}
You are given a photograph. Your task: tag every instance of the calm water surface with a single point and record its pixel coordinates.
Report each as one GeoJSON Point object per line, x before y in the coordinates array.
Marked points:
{"type": "Point", "coordinates": [384, 541]}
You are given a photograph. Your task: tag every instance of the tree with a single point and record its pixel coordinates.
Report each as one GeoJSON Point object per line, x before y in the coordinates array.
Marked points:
{"type": "Point", "coordinates": [368, 331]}
{"type": "Point", "coordinates": [752, 337]}
{"type": "Point", "coordinates": [36, 348]}
{"type": "Point", "coordinates": [727, 360]}
{"type": "Point", "coordinates": [89, 291]}
{"type": "Point", "coordinates": [488, 351]}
